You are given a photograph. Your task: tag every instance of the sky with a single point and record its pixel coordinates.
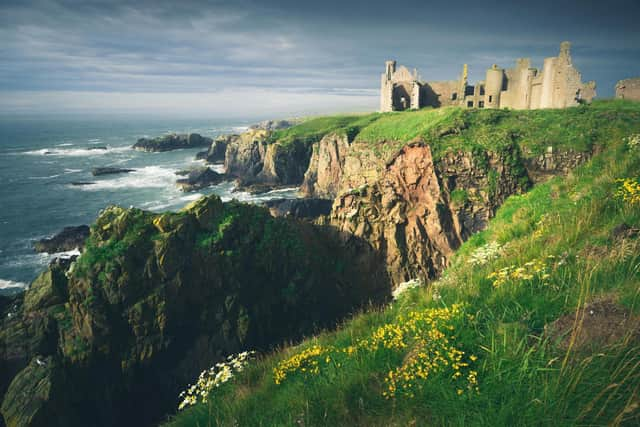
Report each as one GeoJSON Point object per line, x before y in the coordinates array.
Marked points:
{"type": "Point", "coordinates": [273, 58]}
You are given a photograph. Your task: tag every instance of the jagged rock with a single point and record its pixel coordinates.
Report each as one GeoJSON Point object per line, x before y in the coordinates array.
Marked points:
{"type": "Point", "coordinates": [48, 289]}
{"type": "Point", "coordinates": [299, 208]}
{"type": "Point", "coordinates": [253, 159]}
{"type": "Point", "coordinates": [109, 170]}
{"type": "Point", "coordinates": [199, 178]}
{"type": "Point", "coordinates": [172, 142]}
{"type": "Point", "coordinates": [35, 394]}
{"type": "Point", "coordinates": [157, 298]}
{"type": "Point", "coordinates": [406, 208]}
{"type": "Point", "coordinates": [326, 167]}
{"type": "Point", "coordinates": [68, 239]}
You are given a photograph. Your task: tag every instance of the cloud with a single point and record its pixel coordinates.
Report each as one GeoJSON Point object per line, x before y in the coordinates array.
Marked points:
{"type": "Point", "coordinates": [284, 46]}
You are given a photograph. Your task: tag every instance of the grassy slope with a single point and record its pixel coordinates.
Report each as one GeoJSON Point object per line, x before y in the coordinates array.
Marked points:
{"type": "Point", "coordinates": [525, 377]}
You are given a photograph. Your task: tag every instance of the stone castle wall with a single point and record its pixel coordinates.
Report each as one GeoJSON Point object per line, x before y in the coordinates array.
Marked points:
{"type": "Point", "coordinates": [558, 85]}
{"type": "Point", "coordinates": [628, 89]}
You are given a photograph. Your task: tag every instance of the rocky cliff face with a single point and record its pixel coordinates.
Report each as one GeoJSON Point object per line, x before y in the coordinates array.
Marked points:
{"type": "Point", "coordinates": [253, 159]}
{"type": "Point", "coordinates": [326, 167]}
{"type": "Point", "coordinates": [413, 210]}
{"type": "Point", "coordinates": [154, 299]}
{"type": "Point", "coordinates": [417, 211]}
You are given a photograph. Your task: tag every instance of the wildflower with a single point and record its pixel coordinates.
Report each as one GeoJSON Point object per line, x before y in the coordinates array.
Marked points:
{"type": "Point", "coordinates": [536, 268]}
{"type": "Point", "coordinates": [485, 253]}
{"type": "Point", "coordinates": [633, 141]}
{"type": "Point", "coordinates": [629, 190]}
{"type": "Point", "coordinates": [212, 378]}
{"type": "Point", "coordinates": [405, 286]}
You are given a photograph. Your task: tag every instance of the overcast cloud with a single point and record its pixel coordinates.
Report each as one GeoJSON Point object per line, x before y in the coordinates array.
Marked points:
{"type": "Point", "coordinates": [284, 57]}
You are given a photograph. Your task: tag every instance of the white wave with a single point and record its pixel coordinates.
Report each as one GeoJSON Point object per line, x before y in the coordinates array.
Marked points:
{"type": "Point", "coordinates": [172, 202]}
{"type": "Point", "coordinates": [146, 177]}
{"type": "Point", "coordinates": [243, 196]}
{"type": "Point", "coordinates": [75, 152]}
{"type": "Point", "coordinates": [64, 254]}
{"type": "Point", "coordinates": [64, 144]}
{"type": "Point", "coordinates": [218, 167]}
{"type": "Point", "coordinates": [282, 190]}
{"type": "Point", "coordinates": [67, 170]}
{"type": "Point", "coordinates": [240, 129]}
{"type": "Point", "coordinates": [44, 177]}
{"type": "Point", "coordinates": [95, 141]}
{"type": "Point", "coordinates": [191, 197]}
{"type": "Point", "coordinates": [9, 284]}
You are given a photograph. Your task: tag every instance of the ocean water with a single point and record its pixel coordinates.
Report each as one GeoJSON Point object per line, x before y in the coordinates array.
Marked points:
{"type": "Point", "coordinates": [40, 158]}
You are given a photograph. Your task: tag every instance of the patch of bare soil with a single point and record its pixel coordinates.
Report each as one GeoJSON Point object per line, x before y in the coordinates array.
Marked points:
{"type": "Point", "coordinates": [598, 324]}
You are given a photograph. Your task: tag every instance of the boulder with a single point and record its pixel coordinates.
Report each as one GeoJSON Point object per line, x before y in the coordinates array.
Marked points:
{"type": "Point", "coordinates": [199, 178]}
{"type": "Point", "coordinates": [68, 239]}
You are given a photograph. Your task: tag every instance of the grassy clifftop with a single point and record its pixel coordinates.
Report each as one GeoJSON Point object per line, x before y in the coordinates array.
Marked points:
{"type": "Point", "coordinates": [455, 128]}
{"type": "Point", "coordinates": [536, 321]}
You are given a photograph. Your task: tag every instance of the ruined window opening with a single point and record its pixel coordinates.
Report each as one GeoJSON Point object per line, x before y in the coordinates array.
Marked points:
{"type": "Point", "coordinates": [480, 104]}
{"type": "Point", "coordinates": [454, 96]}
{"type": "Point", "coordinates": [490, 98]}
{"type": "Point", "coordinates": [481, 90]}
{"type": "Point", "coordinates": [470, 104]}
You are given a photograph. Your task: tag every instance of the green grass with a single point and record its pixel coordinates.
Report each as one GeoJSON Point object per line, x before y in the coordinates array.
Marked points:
{"type": "Point", "coordinates": [452, 128]}
{"type": "Point", "coordinates": [313, 129]}
{"type": "Point", "coordinates": [526, 375]}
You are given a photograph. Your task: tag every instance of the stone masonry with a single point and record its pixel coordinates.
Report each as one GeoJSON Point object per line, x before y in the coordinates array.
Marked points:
{"type": "Point", "coordinates": [558, 85]}
{"type": "Point", "coordinates": [628, 89]}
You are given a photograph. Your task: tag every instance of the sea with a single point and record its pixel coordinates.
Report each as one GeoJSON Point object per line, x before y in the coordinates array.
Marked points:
{"type": "Point", "coordinates": [41, 157]}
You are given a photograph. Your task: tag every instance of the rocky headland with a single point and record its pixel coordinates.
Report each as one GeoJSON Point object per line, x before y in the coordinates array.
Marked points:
{"type": "Point", "coordinates": [172, 142]}
{"type": "Point", "coordinates": [156, 297]}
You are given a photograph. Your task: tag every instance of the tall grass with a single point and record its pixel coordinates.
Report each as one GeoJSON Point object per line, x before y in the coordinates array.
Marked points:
{"type": "Point", "coordinates": [529, 373]}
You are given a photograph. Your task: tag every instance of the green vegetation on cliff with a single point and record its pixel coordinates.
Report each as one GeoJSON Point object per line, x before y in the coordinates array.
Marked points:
{"type": "Point", "coordinates": [540, 311]}
{"type": "Point", "coordinates": [155, 297]}
{"type": "Point", "coordinates": [313, 129]}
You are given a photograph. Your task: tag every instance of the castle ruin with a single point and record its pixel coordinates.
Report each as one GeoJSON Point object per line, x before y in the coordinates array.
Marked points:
{"type": "Point", "coordinates": [558, 85]}
{"type": "Point", "coordinates": [628, 89]}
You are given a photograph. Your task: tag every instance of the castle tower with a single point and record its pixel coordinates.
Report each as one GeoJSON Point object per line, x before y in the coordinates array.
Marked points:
{"type": "Point", "coordinates": [493, 87]}
{"type": "Point", "coordinates": [386, 87]}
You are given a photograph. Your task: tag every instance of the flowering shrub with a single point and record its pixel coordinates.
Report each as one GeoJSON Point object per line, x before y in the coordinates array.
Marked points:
{"type": "Point", "coordinates": [405, 286]}
{"type": "Point", "coordinates": [427, 334]}
{"type": "Point", "coordinates": [536, 268]}
{"type": "Point", "coordinates": [213, 378]}
{"type": "Point", "coordinates": [629, 190]}
{"type": "Point", "coordinates": [307, 362]}
{"type": "Point", "coordinates": [485, 253]}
